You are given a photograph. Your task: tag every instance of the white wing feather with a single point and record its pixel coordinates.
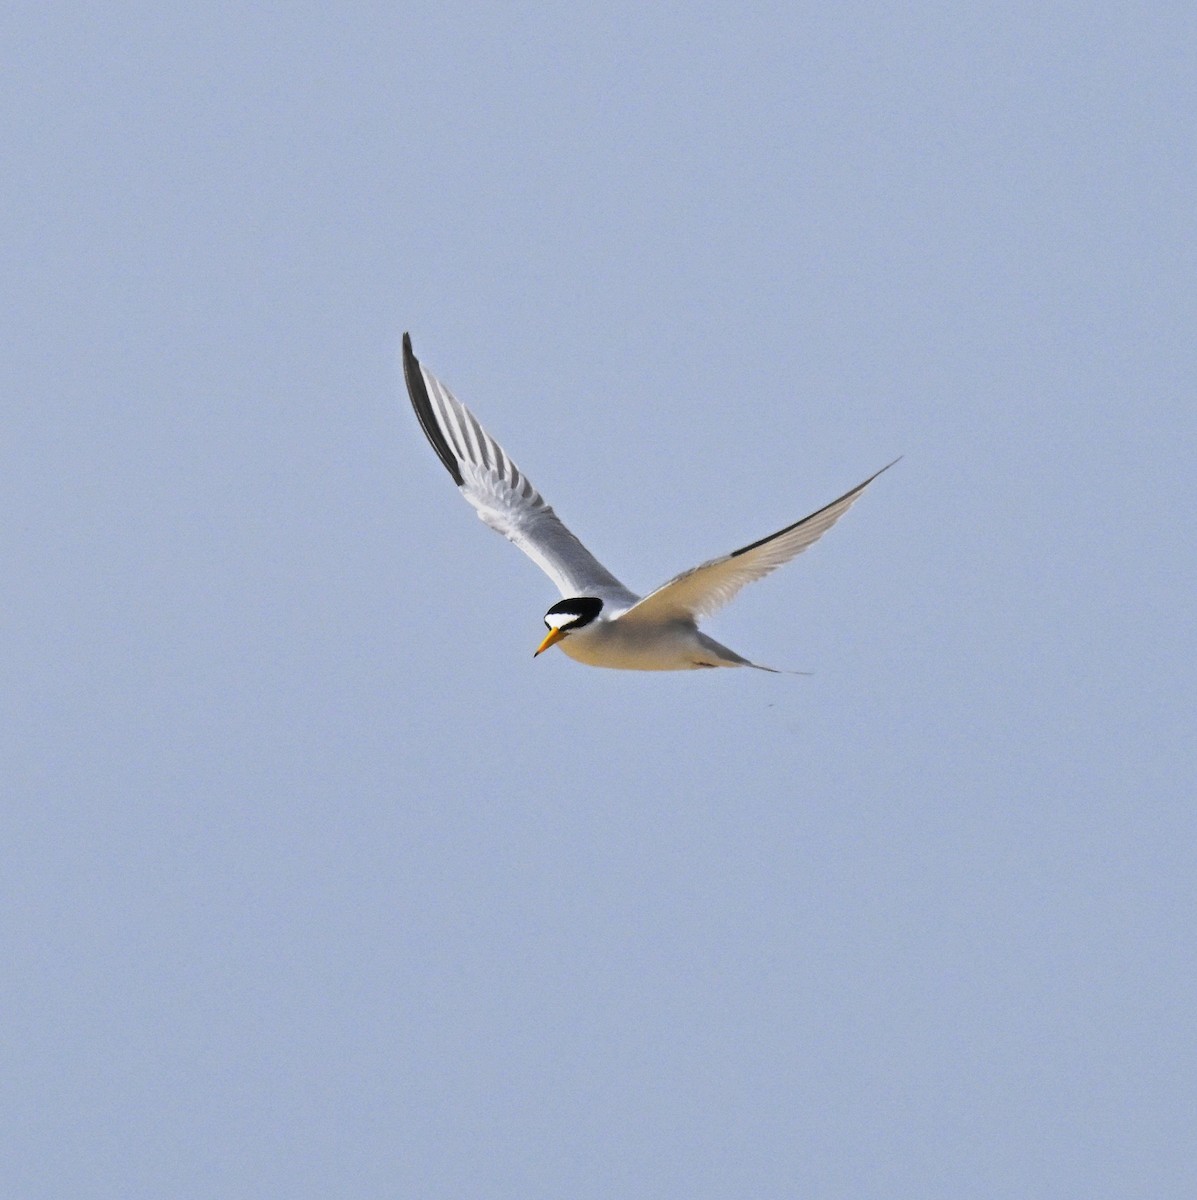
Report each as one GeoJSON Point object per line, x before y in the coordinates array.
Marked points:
{"type": "Point", "coordinates": [705, 589]}
{"type": "Point", "coordinates": [502, 495]}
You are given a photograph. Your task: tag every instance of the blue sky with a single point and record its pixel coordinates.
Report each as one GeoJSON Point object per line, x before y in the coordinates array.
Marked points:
{"type": "Point", "coordinates": [316, 883]}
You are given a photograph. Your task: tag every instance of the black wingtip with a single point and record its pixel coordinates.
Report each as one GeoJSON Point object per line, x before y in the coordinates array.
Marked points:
{"type": "Point", "coordinates": [860, 487]}
{"type": "Point", "coordinates": [411, 369]}
{"type": "Point", "coordinates": [417, 389]}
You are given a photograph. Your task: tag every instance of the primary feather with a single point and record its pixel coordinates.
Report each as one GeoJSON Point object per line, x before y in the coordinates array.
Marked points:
{"type": "Point", "coordinates": [500, 492]}
{"type": "Point", "coordinates": [703, 590]}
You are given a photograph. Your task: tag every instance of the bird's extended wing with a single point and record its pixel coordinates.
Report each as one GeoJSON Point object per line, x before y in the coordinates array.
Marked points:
{"type": "Point", "coordinates": [503, 496]}
{"type": "Point", "coordinates": [705, 589]}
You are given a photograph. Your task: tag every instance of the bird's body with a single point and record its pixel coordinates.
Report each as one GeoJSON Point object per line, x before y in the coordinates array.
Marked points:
{"type": "Point", "coordinates": [600, 622]}
{"type": "Point", "coordinates": [672, 645]}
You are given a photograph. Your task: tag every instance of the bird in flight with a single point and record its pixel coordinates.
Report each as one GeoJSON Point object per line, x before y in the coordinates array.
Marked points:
{"type": "Point", "coordinates": [598, 621]}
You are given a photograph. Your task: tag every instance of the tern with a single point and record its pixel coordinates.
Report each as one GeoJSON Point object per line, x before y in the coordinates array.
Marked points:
{"type": "Point", "coordinates": [598, 621]}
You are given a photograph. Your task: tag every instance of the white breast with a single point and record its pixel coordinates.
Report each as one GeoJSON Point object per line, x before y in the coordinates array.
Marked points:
{"type": "Point", "coordinates": [667, 647]}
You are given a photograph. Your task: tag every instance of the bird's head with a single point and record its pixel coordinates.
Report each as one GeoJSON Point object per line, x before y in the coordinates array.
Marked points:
{"type": "Point", "coordinates": [568, 616]}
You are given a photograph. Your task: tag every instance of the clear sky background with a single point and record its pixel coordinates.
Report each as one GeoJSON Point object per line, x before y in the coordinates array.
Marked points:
{"type": "Point", "coordinates": [316, 884]}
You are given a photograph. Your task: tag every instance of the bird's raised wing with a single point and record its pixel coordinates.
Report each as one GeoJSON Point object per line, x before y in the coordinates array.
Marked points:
{"type": "Point", "coordinates": [705, 589]}
{"type": "Point", "coordinates": [503, 496]}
